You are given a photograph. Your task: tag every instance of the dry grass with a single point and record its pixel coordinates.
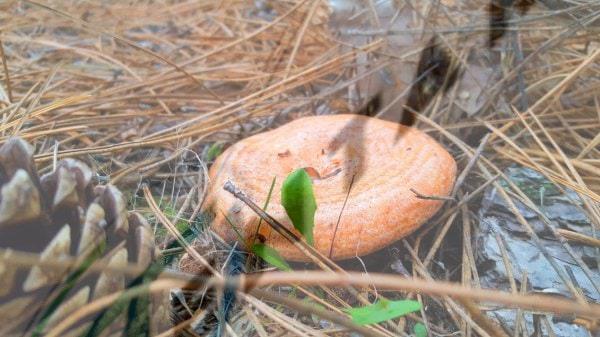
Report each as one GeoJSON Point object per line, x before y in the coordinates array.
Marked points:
{"type": "Point", "coordinates": [140, 91]}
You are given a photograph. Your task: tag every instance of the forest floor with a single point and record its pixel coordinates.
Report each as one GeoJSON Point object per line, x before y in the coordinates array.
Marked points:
{"type": "Point", "coordinates": [149, 93]}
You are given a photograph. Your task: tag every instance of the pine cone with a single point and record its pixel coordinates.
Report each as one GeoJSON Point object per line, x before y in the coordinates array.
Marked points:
{"type": "Point", "coordinates": [61, 216]}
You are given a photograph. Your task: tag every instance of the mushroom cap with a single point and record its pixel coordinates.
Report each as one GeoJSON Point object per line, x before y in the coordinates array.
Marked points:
{"type": "Point", "coordinates": [385, 162]}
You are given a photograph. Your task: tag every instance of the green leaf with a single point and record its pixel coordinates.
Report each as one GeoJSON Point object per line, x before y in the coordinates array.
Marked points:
{"type": "Point", "coordinates": [214, 151]}
{"type": "Point", "coordinates": [382, 311]}
{"type": "Point", "coordinates": [271, 256]}
{"type": "Point", "coordinates": [420, 330]}
{"type": "Point", "coordinates": [170, 212]}
{"type": "Point", "coordinates": [298, 199]}
{"type": "Point", "coordinates": [266, 204]}
{"type": "Point", "coordinates": [234, 227]}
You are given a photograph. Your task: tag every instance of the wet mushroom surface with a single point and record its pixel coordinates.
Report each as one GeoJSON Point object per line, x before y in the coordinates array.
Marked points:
{"type": "Point", "coordinates": [382, 168]}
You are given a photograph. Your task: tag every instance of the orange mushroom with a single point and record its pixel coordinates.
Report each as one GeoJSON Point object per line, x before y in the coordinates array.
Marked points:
{"type": "Point", "coordinates": [334, 149]}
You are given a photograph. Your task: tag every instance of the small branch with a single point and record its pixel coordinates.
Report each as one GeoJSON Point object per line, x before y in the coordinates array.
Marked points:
{"type": "Point", "coordinates": [248, 283]}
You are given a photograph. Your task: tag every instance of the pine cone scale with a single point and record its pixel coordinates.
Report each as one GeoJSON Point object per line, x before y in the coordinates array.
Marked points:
{"type": "Point", "coordinates": [62, 216]}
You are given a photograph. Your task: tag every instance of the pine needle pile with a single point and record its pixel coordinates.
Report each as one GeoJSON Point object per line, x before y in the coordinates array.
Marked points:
{"type": "Point", "coordinates": [112, 112]}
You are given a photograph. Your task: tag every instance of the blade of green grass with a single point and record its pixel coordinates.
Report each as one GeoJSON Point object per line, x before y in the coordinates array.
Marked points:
{"type": "Point", "coordinates": [271, 256]}
{"type": "Point", "coordinates": [382, 310]}
{"type": "Point", "coordinates": [420, 330]}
